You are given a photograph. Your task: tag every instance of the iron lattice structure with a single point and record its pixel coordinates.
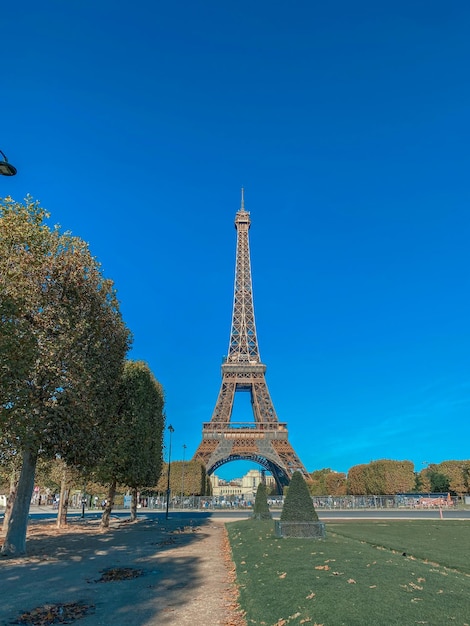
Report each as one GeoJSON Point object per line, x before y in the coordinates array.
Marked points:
{"type": "Point", "coordinates": [264, 439]}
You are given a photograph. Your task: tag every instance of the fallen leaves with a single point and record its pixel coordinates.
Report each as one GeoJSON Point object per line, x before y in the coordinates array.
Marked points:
{"type": "Point", "coordinates": [415, 586]}
{"type": "Point", "coordinates": [55, 614]}
{"type": "Point", "coordinates": [119, 573]}
{"type": "Point", "coordinates": [165, 542]}
{"type": "Point", "coordinates": [235, 616]}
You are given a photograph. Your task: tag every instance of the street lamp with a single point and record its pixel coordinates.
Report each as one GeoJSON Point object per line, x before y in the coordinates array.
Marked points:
{"type": "Point", "coordinates": [182, 479]}
{"type": "Point", "coordinates": [172, 430]}
{"type": "Point", "coordinates": [6, 169]}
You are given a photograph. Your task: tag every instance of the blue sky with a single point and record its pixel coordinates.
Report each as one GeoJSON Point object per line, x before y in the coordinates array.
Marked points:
{"type": "Point", "coordinates": [348, 124]}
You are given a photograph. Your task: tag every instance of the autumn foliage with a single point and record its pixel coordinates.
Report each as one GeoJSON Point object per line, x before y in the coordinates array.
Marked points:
{"type": "Point", "coordinates": [384, 477]}
{"type": "Point", "coordinates": [187, 477]}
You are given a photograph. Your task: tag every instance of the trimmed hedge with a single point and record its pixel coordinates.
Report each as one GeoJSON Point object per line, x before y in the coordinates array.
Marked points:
{"type": "Point", "coordinates": [298, 504]}
{"type": "Point", "coordinates": [261, 508]}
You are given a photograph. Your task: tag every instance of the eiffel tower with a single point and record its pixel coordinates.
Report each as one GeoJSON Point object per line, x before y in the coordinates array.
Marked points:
{"type": "Point", "coordinates": [265, 439]}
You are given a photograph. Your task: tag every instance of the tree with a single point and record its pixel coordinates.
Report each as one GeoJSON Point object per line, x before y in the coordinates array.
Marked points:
{"type": "Point", "coordinates": [439, 482]}
{"type": "Point", "coordinates": [357, 480]}
{"type": "Point", "coordinates": [63, 317]}
{"type": "Point", "coordinates": [298, 505]}
{"type": "Point", "coordinates": [133, 455]}
{"type": "Point", "coordinates": [336, 484]}
{"type": "Point", "coordinates": [383, 477]}
{"type": "Point", "coordinates": [63, 478]}
{"type": "Point", "coordinates": [326, 482]}
{"type": "Point", "coordinates": [317, 484]}
{"type": "Point", "coordinates": [9, 475]}
{"type": "Point", "coordinates": [196, 481]}
{"type": "Point", "coordinates": [261, 509]}
{"type": "Point", "coordinates": [457, 475]}
{"type": "Point", "coordinates": [394, 476]}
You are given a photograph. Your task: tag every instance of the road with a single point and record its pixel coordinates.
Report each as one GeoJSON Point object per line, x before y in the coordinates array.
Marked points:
{"type": "Point", "coordinates": [47, 513]}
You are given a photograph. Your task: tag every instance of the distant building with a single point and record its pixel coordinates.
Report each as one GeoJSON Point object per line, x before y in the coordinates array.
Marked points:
{"type": "Point", "coordinates": [243, 488]}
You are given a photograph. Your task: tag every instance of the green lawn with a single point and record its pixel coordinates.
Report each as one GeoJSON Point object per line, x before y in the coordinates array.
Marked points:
{"type": "Point", "coordinates": [363, 573]}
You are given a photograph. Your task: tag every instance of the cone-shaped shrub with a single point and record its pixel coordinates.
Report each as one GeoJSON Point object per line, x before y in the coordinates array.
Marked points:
{"type": "Point", "coordinates": [261, 508]}
{"type": "Point", "coordinates": [298, 505]}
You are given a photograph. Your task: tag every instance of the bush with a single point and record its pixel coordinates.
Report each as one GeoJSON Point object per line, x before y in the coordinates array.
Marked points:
{"type": "Point", "coordinates": [261, 508]}
{"type": "Point", "coordinates": [298, 505]}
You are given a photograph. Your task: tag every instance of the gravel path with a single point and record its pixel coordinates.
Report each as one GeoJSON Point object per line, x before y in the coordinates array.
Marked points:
{"type": "Point", "coordinates": [186, 574]}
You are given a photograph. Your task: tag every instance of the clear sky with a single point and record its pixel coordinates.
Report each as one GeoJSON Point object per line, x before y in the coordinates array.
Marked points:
{"type": "Point", "coordinates": [347, 123]}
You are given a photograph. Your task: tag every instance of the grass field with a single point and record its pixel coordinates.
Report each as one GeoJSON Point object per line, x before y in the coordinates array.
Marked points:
{"type": "Point", "coordinates": [362, 574]}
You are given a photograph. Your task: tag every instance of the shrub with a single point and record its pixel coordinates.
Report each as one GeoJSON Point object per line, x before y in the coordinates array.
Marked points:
{"type": "Point", "coordinates": [298, 505]}
{"type": "Point", "coordinates": [261, 508]}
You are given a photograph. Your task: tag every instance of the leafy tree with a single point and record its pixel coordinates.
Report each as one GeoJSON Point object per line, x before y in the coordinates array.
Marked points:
{"type": "Point", "coordinates": [326, 482]}
{"type": "Point", "coordinates": [457, 474]}
{"type": "Point", "coordinates": [336, 484]}
{"type": "Point", "coordinates": [317, 484]}
{"type": "Point", "coordinates": [261, 509]}
{"type": "Point", "coordinates": [383, 477]}
{"type": "Point", "coordinates": [298, 505]}
{"type": "Point", "coordinates": [466, 475]}
{"type": "Point", "coordinates": [395, 476]}
{"type": "Point", "coordinates": [196, 481]}
{"type": "Point", "coordinates": [133, 454]}
{"type": "Point", "coordinates": [64, 345]}
{"type": "Point", "coordinates": [357, 480]}
{"type": "Point", "coordinates": [420, 484]}
{"type": "Point", "coordinates": [439, 482]}
{"type": "Point", "coordinates": [68, 477]}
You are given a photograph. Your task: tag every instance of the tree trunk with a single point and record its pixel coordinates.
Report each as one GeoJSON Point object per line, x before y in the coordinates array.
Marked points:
{"type": "Point", "coordinates": [134, 505]}
{"type": "Point", "coordinates": [11, 498]}
{"type": "Point", "coordinates": [15, 539]}
{"type": "Point", "coordinates": [63, 501]}
{"type": "Point", "coordinates": [108, 506]}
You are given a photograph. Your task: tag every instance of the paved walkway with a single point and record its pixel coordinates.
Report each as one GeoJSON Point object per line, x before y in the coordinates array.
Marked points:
{"type": "Point", "coordinates": [185, 577]}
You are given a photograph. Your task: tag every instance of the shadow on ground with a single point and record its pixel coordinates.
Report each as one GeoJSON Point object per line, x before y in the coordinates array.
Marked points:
{"type": "Point", "coordinates": [174, 557]}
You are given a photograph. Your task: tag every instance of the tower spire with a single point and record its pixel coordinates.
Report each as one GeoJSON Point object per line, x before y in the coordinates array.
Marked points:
{"type": "Point", "coordinates": [242, 205]}
{"type": "Point", "coordinates": [243, 344]}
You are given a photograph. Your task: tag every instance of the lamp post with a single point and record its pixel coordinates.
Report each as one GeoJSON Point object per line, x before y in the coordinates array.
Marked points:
{"type": "Point", "coordinates": [182, 478]}
{"type": "Point", "coordinates": [83, 501]}
{"type": "Point", "coordinates": [172, 430]}
{"type": "Point", "coordinates": [6, 169]}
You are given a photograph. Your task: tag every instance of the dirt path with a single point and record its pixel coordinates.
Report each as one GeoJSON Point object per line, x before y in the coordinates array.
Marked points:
{"type": "Point", "coordinates": [186, 577]}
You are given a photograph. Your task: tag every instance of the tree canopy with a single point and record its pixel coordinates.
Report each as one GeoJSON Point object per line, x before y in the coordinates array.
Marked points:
{"type": "Point", "coordinates": [383, 477]}
{"type": "Point", "coordinates": [63, 344]}
{"type": "Point", "coordinates": [133, 454]}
